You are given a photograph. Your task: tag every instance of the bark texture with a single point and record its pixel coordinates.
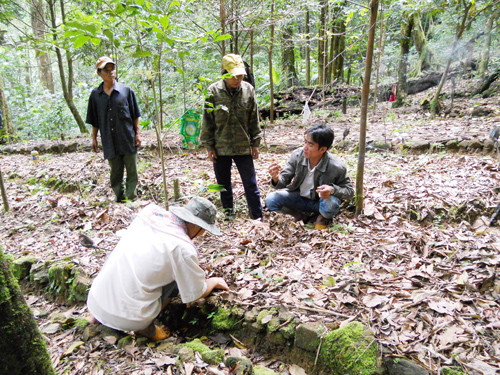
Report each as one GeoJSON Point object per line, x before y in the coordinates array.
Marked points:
{"type": "Point", "coordinates": [22, 345]}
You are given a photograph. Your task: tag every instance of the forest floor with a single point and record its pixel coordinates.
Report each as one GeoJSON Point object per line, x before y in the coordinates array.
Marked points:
{"type": "Point", "coordinates": [419, 266]}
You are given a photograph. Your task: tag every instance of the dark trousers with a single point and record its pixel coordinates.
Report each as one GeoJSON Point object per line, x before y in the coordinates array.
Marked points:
{"type": "Point", "coordinates": [128, 189]}
{"type": "Point", "coordinates": [244, 163]}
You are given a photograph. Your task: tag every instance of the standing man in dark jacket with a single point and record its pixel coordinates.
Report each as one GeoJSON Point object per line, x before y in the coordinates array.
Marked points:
{"type": "Point", "coordinates": [313, 183]}
{"type": "Point", "coordinates": [113, 111]}
{"type": "Point", "coordinates": [231, 132]}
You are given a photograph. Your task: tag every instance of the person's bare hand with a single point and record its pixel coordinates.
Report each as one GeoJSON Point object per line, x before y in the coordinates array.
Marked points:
{"type": "Point", "coordinates": [212, 155]}
{"type": "Point", "coordinates": [274, 171]}
{"type": "Point", "coordinates": [255, 153]}
{"type": "Point", "coordinates": [324, 191]}
{"type": "Point", "coordinates": [138, 140]}
{"type": "Point", "coordinates": [220, 283]}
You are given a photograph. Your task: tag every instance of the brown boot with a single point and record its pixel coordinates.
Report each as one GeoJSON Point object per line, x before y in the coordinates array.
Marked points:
{"type": "Point", "coordinates": [321, 222]}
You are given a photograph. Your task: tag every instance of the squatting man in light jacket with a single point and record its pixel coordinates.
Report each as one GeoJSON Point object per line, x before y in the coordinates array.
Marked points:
{"type": "Point", "coordinates": [154, 259]}
{"type": "Point", "coordinates": [314, 181]}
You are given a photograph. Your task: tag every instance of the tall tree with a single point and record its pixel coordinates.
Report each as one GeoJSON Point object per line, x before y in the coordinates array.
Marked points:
{"type": "Point", "coordinates": [421, 44]}
{"type": "Point", "coordinates": [469, 14]}
{"type": "Point", "coordinates": [404, 44]}
{"type": "Point", "coordinates": [322, 42]}
{"type": "Point", "coordinates": [308, 49]}
{"type": "Point", "coordinates": [43, 58]}
{"type": "Point", "coordinates": [8, 129]}
{"type": "Point", "coordinates": [485, 58]}
{"type": "Point", "coordinates": [270, 58]}
{"type": "Point", "coordinates": [379, 55]}
{"type": "Point", "coordinates": [23, 347]}
{"type": "Point", "coordinates": [66, 83]}
{"type": "Point", "coordinates": [365, 93]}
{"type": "Point", "coordinates": [288, 57]}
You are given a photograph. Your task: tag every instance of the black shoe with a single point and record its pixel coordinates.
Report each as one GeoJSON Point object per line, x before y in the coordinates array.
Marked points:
{"type": "Point", "coordinates": [228, 214]}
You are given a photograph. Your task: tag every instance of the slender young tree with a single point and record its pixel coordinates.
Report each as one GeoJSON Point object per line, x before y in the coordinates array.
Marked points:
{"type": "Point", "coordinates": [66, 83]}
{"type": "Point", "coordinates": [364, 107]}
{"type": "Point", "coordinates": [270, 58]}
{"type": "Point", "coordinates": [379, 55]}
{"type": "Point", "coordinates": [308, 49]}
{"type": "Point", "coordinates": [464, 23]}
{"type": "Point", "coordinates": [322, 41]}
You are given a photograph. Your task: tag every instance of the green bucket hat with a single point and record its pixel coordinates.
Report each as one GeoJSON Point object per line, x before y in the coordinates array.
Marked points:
{"type": "Point", "coordinates": [198, 211]}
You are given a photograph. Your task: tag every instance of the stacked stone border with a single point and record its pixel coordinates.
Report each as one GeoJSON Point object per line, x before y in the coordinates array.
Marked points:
{"type": "Point", "coordinates": [316, 347]}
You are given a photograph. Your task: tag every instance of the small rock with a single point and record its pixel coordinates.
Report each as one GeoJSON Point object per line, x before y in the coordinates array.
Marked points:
{"type": "Point", "coordinates": [400, 366]}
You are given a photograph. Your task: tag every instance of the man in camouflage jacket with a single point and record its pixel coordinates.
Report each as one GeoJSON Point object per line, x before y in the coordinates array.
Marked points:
{"type": "Point", "coordinates": [231, 132]}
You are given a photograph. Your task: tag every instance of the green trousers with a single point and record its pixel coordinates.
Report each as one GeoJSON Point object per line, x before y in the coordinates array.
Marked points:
{"type": "Point", "coordinates": [128, 189]}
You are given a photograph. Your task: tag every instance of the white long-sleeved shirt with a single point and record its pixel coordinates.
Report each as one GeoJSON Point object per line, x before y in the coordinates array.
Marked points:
{"type": "Point", "coordinates": [155, 251]}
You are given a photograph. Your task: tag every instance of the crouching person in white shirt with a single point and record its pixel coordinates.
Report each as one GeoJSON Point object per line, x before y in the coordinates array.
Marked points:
{"type": "Point", "coordinates": [155, 257]}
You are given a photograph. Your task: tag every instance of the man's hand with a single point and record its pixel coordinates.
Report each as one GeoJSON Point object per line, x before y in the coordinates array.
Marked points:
{"type": "Point", "coordinates": [274, 171]}
{"type": "Point", "coordinates": [95, 146]}
{"type": "Point", "coordinates": [324, 191]}
{"type": "Point", "coordinates": [212, 155]}
{"type": "Point", "coordinates": [215, 283]}
{"type": "Point", "coordinates": [138, 140]}
{"type": "Point", "coordinates": [255, 153]}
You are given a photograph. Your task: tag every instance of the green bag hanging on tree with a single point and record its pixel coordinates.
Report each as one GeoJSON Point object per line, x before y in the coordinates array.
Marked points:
{"type": "Point", "coordinates": [190, 129]}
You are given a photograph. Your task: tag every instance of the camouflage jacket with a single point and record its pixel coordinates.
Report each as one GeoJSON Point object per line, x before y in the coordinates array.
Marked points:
{"type": "Point", "coordinates": [230, 122]}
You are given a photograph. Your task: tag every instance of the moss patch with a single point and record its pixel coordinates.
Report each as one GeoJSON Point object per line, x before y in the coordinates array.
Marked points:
{"type": "Point", "coordinates": [197, 346]}
{"type": "Point", "coordinates": [452, 371]}
{"type": "Point", "coordinates": [261, 370]}
{"type": "Point", "coordinates": [223, 320]}
{"type": "Point", "coordinates": [350, 349]}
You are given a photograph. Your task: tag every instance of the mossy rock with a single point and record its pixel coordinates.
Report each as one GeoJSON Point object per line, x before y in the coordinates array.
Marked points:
{"type": "Point", "coordinates": [273, 325]}
{"type": "Point", "coordinates": [452, 371]}
{"type": "Point", "coordinates": [197, 346]}
{"type": "Point", "coordinates": [350, 350]}
{"type": "Point", "coordinates": [223, 320]}
{"type": "Point", "coordinates": [59, 274]}
{"type": "Point", "coordinates": [307, 336]}
{"type": "Point", "coordinates": [79, 287]}
{"type": "Point", "coordinates": [264, 313]}
{"type": "Point", "coordinates": [288, 331]}
{"type": "Point", "coordinates": [240, 366]}
{"type": "Point", "coordinates": [124, 341]}
{"type": "Point", "coordinates": [39, 273]}
{"type": "Point", "coordinates": [401, 366]}
{"type": "Point", "coordinates": [21, 267]}
{"type": "Point", "coordinates": [261, 370]}
{"type": "Point", "coordinates": [186, 354]}
{"type": "Point", "coordinates": [213, 357]}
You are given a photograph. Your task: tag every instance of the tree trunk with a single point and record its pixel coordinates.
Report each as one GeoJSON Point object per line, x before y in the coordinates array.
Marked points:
{"type": "Point", "coordinates": [4, 193]}
{"type": "Point", "coordinates": [288, 58]}
{"type": "Point", "coordinates": [364, 107]}
{"type": "Point", "coordinates": [404, 43]}
{"type": "Point", "coordinates": [308, 50]}
{"type": "Point", "coordinates": [43, 58]}
{"type": "Point", "coordinates": [379, 56]}
{"type": "Point", "coordinates": [485, 58]}
{"type": "Point", "coordinates": [435, 104]}
{"type": "Point", "coordinates": [421, 46]}
{"type": "Point", "coordinates": [270, 57]}
{"type": "Point", "coordinates": [223, 24]}
{"type": "Point", "coordinates": [486, 82]}
{"type": "Point", "coordinates": [7, 128]}
{"type": "Point", "coordinates": [22, 345]}
{"type": "Point", "coordinates": [322, 42]}
{"type": "Point", "coordinates": [339, 43]}
{"type": "Point", "coordinates": [67, 86]}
